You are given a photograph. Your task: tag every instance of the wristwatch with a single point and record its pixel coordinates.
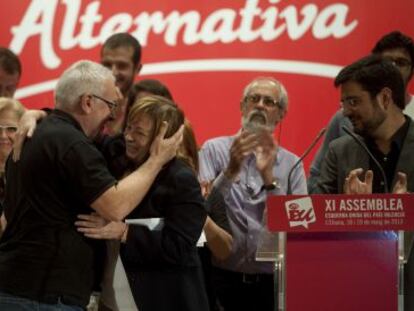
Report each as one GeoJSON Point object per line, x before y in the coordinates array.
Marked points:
{"type": "Point", "coordinates": [274, 185]}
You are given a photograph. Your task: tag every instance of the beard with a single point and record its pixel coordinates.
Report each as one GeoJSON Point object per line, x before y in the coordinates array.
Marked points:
{"type": "Point", "coordinates": [367, 128]}
{"type": "Point", "coordinates": [255, 121]}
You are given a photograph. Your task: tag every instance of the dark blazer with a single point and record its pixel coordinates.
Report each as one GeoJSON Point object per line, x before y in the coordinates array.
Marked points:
{"type": "Point", "coordinates": [344, 155]}
{"type": "Point", "coordinates": [163, 266]}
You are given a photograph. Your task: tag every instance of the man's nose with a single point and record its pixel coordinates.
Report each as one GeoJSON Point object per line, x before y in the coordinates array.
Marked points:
{"type": "Point", "coordinates": [127, 136]}
{"type": "Point", "coordinates": [260, 103]}
{"type": "Point", "coordinates": [3, 133]}
{"type": "Point", "coordinates": [114, 69]}
{"type": "Point", "coordinates": [4, 92]}
{"type": "Point", "coordinates": [346, 111]}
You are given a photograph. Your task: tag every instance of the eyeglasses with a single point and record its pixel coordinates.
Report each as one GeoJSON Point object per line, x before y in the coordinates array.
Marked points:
{"type": "Point", "coordinates": [399, 62]}
{"type": "Point", "coordinates": [9, 129]}
{"type": "Point", "coordinates": [351, 102]}
{"type": "Point", "coordinates": [111, 105]}
{"type": "Point", "coordinates": [268, 101]}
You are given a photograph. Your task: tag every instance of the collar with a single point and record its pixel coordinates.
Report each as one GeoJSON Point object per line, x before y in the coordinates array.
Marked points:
{"type": "Point", "coordinates": [398, 138]}
{"type": "Point", "coordinates": [60, 114]}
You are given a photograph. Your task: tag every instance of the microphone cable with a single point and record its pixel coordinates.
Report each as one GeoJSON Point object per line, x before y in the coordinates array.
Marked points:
{"type": "Point", "coordinates": [362, 144]}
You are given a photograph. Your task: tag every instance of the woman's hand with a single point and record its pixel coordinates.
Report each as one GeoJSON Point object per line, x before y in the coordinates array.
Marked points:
{"type": "Point", "coordinates": [95, 227]}
{"type": "Point", "coordinates": [26, 127]}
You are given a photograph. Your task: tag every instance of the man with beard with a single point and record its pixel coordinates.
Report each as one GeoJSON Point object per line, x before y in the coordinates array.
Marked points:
{"type": "Point", "coordinates": [45, 264]}
{"type": "Point", "coordinates": [121, 53]}
{"type": "Point", "coordinates": [246, 168]}
{"type": "Point", "coordinates": [373, 97]}
{"type": "Point", "coordinates": [399, 49]}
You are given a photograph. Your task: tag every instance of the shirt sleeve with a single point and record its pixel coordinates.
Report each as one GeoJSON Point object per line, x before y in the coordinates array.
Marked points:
{"type": "Point", "coordinates": [209, 166]}
{"type": "Point", "coordinates": [86, 168]}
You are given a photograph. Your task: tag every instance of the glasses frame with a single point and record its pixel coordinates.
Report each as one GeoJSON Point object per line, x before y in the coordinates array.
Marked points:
{"type": "Point", "coordinates": [268, 101]}
{"type": "Point", "coordinates": [10, 129]}
{"type": "Point", "coordinates": [351, 102]}
{"type": "Point", "coordinates": [111, 105]}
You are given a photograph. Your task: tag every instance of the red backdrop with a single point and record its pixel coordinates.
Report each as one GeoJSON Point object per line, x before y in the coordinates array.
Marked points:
{"type": "Point", "coordinates": [207, 51]}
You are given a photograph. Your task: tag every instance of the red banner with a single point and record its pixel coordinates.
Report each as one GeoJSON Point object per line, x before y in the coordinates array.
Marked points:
{"type": "Point", "coordinates": [332, 213]}
{"type": "Point", "coordinates": [207, 51]}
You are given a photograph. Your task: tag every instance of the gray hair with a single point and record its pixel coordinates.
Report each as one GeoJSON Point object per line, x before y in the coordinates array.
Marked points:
{"type": "Point", "coordinates": [283, 97]}
{"type": "Point", "coordinates": [82, 77]}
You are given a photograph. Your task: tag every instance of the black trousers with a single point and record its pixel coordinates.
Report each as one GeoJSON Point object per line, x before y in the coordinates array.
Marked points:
{"type": "Point", "coordinates": [238, 291]}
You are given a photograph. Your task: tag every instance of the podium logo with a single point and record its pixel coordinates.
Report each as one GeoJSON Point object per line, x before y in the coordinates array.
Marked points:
{"type": "Point", "coordinates": [300, 212]}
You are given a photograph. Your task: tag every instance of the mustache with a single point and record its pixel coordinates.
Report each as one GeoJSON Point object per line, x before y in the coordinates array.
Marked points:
{"type": "Point", "coordinates": [256, 120]}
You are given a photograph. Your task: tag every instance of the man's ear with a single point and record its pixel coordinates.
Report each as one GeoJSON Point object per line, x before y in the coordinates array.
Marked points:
{"type": "Point", "coordinates": [282, 114]}
{"type": "Point", "coordinates": [138, 69]}
{"type": "Point", "coordinates": [86, 104]}
{"type": "Point", "coordinates": [384, 98]}
{"type": "Point", "coordinates": [242, 106]}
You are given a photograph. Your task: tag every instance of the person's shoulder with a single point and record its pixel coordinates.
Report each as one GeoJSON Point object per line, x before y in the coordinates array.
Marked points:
{"type": "Point", "coordinates": [59, 126]}
{"type": "Point", "coordinates": [287, 154]}
{"type": "Point", "coordinates": [342, 143]}
{"type": "Point", "coordinates": [57, 133]}
{"type": "Point", "coordinates": [177, 176]}
{"type": "Point", "coordinates": [219, 140]}
{"type": "Point", "coordinates": [178, 168]}
{"type": "Point", "coordinates": [338, 116]}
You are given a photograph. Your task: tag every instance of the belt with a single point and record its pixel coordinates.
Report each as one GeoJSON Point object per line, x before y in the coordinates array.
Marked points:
{"type": "Point", "coordinates": [246, 278]}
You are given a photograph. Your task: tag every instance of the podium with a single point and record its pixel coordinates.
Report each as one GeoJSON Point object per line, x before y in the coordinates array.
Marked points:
{"type": "Point", "coordinates": [339, 252]}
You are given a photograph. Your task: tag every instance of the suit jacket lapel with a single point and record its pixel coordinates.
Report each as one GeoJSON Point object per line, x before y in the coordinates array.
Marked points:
{"type": "Point", "coordinates": [406, 160]}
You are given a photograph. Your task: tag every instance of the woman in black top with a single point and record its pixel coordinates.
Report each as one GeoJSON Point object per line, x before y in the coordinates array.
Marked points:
{"type": "Point", "coordinates": [162, 266]}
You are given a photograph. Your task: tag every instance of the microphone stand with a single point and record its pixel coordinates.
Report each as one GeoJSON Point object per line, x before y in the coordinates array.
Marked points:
{"type": "Point", "coordinates": [314, 142]}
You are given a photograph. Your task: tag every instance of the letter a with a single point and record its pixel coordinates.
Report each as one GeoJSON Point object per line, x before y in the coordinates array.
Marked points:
{"type": "Point", "coordinates": [38, 20]}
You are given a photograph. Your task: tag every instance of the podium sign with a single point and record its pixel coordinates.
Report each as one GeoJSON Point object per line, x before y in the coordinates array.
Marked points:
{"type": "Point", "coordinates": [333, 213]}
{"type": "Point", "coordinates": [341, 251]}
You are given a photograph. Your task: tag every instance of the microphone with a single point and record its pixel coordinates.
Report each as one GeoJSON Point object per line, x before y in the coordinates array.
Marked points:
{"type": "Point", "coordinates": [362, 144]}
{"type": "Point", "coordinates": [314, 142]}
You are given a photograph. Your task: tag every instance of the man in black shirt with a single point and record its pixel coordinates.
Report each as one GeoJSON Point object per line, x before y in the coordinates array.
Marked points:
{"type": "Point", "coordinates": [44, 261]}
{"type": "Point", "coordinates": [372, 96]}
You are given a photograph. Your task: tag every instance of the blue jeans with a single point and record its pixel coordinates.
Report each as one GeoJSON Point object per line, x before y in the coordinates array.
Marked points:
{"type": "Point", "coordinates": [14, 303]}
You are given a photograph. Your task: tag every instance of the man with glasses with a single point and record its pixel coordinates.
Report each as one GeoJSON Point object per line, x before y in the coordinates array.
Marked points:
{"type": "Point", "coordinates": [395, 46]}
{"type": "Point", "coordinates": [45, 263]}
{"type": "Point", "coordinates": [111, 104]}
{"type": "Point", "coordinates": [246, 168]}
{"type": "Point", "coordinates": [373, 98]}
